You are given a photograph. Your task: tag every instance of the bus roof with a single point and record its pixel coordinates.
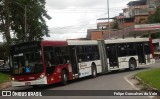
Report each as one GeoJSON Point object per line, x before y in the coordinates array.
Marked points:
{"type": "Point", "coordinates": [82, 42]}
{"type": "Point", "coordinates": [85, 42]}
{"type": "Point", "coordinates": [94, 42]}
{"type": "Point", "coordinates": [54, 43]}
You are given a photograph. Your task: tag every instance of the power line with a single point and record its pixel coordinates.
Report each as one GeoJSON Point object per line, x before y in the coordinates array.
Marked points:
{"type": "Point", "coordinates": [80, 23]}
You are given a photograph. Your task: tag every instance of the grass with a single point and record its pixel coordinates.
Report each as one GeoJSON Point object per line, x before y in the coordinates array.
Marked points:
{"type": "Point", "coordinates": [151, 77]}
{"type": "Point", "coordinates": [4, 78]}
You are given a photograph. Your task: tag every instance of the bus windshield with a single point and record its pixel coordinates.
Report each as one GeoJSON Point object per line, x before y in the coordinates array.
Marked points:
{"type": "Point", "coordinates": [27, 63]}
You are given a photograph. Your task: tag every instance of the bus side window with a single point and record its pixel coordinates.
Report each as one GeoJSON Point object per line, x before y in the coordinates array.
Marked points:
{"type": "Point", "coordinates": [62, 55]}
{"type": "Point", "coordinates": [48, 58]}
{"type": "Point", "coordinates": [131, 48]}
{"type": "Point", "coordinates": [122, 49]}
{"type": "Point", "coordinates": [147, 48]}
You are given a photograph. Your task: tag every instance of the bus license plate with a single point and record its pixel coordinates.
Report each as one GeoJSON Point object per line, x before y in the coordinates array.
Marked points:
{"type": "Point", "coordinates": [27, 83]}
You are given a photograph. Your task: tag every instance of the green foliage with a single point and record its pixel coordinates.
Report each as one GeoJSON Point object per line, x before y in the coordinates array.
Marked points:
{"type": "Point", "coordinates": [115, 25]}
{"type": "Point", "coordinates": [12, 18]}
{"type": "Point", "coordinates": [155, 17]}
{"type": "Point", "coordinates": [154, 35]}
{"type": "Point", "coordinates": [35, 14]}
{"type": "Point", "coordinates": [4, 78]}
{"type": "Point", "coordinates": [4, 51]}
{"type": "Point", "coordinates": [151, 77]}
{"type": "Point", "coordinates": [35, 19]}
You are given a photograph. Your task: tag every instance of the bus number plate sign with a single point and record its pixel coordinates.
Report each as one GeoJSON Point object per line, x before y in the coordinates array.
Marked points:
{"type": "Point", "coordinates": [27, 83]}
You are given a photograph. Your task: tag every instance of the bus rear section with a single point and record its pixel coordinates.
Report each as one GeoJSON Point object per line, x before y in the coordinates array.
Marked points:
{"type": "Point", "coordinates": [129, 53]}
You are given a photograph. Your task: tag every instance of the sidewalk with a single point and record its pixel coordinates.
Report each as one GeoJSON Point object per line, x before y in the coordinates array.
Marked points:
{"type": "Point", "coordinates": [5, 85]}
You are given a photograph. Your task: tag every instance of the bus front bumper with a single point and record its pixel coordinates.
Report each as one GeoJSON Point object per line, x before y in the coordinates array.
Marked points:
{"type": "Point", "coordinates": [41, 81]}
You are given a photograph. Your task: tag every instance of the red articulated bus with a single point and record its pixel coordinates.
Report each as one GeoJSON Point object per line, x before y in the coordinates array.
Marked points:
{"type": "Point", "coordinates": [48, 62]}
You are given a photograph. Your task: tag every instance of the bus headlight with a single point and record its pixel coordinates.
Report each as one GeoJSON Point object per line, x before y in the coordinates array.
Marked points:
{"type": "Point", "coordinates": [42, 76]}
{"type": "Point", "coordinates": [13, 78]}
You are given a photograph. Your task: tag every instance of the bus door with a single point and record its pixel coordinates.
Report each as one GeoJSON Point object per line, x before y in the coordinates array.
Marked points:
{"type": "Point", "coordinates": [103, 56]}
{"type": "Point", "coordinates": [112, 55]}
{"type": "Point", "coordinates": [141, 53]}
{"type": "Point", "coordinates": [73, 58]}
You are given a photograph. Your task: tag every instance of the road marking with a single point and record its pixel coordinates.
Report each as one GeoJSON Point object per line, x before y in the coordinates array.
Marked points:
{"type": "Point", "coordinates": [126, 79]}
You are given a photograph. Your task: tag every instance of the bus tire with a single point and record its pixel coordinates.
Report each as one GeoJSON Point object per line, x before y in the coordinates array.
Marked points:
{"type": "Point", "coordinates": [94, 71]}
{"type": "Point", "coordinates": [64, 77]}
{"type": "Point", "coordinates": [132, 64]}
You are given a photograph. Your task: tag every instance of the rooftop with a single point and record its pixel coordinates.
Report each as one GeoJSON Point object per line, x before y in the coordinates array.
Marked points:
{"type": "Point", "coordinates": [137, 3]}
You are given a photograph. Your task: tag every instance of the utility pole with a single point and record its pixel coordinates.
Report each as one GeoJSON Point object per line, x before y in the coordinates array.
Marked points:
{"type": "Point", "coordinates": [108, 18]}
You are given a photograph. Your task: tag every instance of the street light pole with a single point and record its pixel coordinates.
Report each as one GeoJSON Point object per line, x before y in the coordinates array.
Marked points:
{"type": "Point", "coordinates": [108, 18]}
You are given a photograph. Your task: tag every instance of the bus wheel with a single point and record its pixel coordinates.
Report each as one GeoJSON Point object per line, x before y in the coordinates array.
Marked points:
{"type": "Point", "coordinates": [132, 65]}
{"type": "Point", "coordinates": [94, 71]}
{"type": "Point", "coordinates": [64, 77]}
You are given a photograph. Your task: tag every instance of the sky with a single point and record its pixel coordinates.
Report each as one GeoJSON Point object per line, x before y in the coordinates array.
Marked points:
{"type": "Point", "coordinates": [72, 18]}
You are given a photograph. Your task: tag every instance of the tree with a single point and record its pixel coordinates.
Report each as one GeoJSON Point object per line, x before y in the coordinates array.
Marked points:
{"type": "Point", "coordinates": [25, 18]}
{"type": "Point", "coordinates": [4, 51]}
{"type": "Point", "coordinates": [115, 25]}
{"type": "Point", "coordinates": [4, 19]}
{"type": "Point", "coordinates": [155, 19]}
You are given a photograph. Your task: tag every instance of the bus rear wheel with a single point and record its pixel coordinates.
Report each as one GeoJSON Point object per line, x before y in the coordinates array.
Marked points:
{"type": "Point", "coordinates": [64, 77]}
{"type": "Point", "coordinates": [132, 65]}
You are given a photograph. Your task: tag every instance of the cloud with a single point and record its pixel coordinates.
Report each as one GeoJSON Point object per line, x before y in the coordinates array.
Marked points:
{"type": "Point", "coordinates": [76, 16]}
{"type": "Point", "coordinates": [65, 36]}
{"type": "Point", "coordinates": [63, 4]}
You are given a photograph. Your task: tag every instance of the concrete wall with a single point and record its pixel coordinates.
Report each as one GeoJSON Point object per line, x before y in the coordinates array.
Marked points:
{"type": "Point", "coordinates": [125, 25]}
{"type": "Point", "coordinates": [96, 35]}
{"type": "Point", "coordinates": [141, 19]}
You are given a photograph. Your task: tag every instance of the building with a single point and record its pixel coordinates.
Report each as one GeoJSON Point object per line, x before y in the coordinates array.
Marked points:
{"type": "Point", "coordinates": [103, 27]}
{"type": "Point", "coordinates": [134, 15]}
{"type": "Point", "coordinates": [138, 10]}
{"type": "Point", "coordinates": [124, 22]}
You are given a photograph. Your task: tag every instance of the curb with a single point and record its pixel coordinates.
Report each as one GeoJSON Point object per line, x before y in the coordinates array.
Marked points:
{"type": "Point", "coordinates": [149, 87]}
{"type": "Point", "coordinates": [127, 79]}
{"type": "Point", "coordinates": [134, 84]}
{"type": "Point", "coordinates": [140, 80]}
{"type": "Point", "coordinates": [5, 85]}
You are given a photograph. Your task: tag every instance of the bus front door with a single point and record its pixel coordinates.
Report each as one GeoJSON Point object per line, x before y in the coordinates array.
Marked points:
{"type": "Point", "coordinates": [141, 53]}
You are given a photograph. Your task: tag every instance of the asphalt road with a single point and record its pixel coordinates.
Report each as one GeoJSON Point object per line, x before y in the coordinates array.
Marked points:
{"type": "Point", "coordinates": [111, 81]}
